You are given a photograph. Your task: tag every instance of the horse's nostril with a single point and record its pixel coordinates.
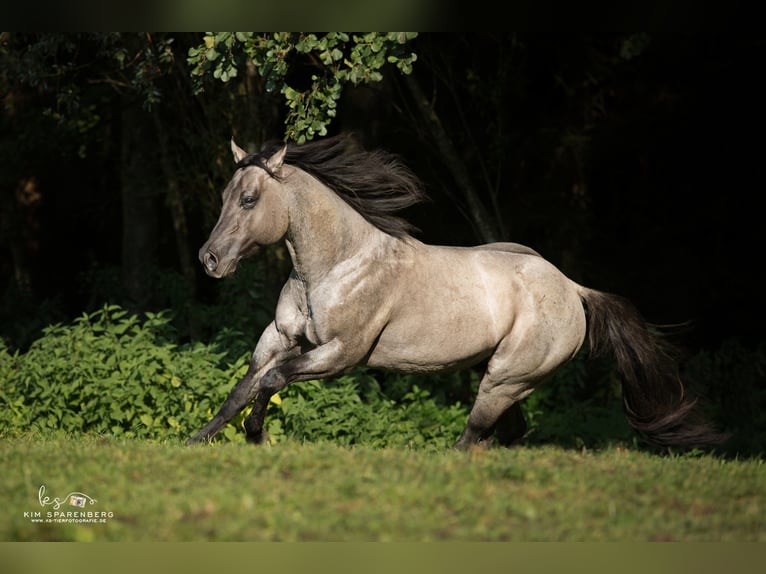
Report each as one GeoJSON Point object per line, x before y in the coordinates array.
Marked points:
{"type": "Point", "coordinates": [210, 261]}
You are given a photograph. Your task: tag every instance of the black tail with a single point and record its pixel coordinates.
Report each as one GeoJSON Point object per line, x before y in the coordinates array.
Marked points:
{"type": "Point", "coordinates": [654, 399]}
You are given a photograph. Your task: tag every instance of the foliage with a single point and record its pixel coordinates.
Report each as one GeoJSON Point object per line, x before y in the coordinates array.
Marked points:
{"type": "Point", "coordinates": [78, 70]}
{"type": "Point", "coordinates": [353, 410]}
{"type": "Point", "coordinates": [331, 60]}
{"type": "Point", "coordinates": [111, 373]}
{"type": "Point", "coordinates": [22, 317]}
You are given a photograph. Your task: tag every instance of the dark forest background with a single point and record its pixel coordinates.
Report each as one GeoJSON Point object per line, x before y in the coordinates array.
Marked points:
{"type": "Point", "coordinates": [634, 162]}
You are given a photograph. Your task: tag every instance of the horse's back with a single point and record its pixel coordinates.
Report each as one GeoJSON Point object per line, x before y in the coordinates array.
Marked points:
{"type": "Point", "coordinates": [508, 247]}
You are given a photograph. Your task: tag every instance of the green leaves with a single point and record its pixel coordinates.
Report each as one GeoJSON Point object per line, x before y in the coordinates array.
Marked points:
{"type": "Point", "coordinates": [353, 410]}
{"type": "Point", "coordinates": [111, 372]}
{"type": "Point", "coordinates": [336, 59]}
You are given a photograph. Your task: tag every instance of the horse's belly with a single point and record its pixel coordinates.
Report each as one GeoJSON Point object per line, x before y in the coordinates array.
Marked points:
{"type": "Point", "coordinates": [430, 347]}
{"type": "Point", "coordinates": [419, 362]}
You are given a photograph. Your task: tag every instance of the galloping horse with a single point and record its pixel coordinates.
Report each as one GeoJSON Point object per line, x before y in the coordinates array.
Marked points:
{"type": "Point", "coordinates": [363, 291]}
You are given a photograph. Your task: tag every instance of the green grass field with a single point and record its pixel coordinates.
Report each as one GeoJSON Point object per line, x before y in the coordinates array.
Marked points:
{"type": "Point", "coordinates": [150, 491]}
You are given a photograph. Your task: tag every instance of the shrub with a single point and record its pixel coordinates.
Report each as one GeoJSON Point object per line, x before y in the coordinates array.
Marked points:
{"type": "Point", "coordinates": [351, 409]}
{"type": "Point", "coordinates": [109, 372]}
{"type": "Point", "coordinates": [114, 373]}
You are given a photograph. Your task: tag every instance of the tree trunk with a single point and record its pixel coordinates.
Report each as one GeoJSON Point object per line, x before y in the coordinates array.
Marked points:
{"type": "Point", "coordinates": [485, 226]}
{"type": "Point", "coordinates": [139, 210]}
{"type": "Point", "coordinates": [18, 225]}
{"type": "Point", "coordinates": [175, 202]}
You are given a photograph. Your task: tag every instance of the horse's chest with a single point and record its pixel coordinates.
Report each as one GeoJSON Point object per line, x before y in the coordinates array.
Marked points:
{"type": "Point", "coordinates": [321, 315]}
{"type": "Point", "coordinates": [310, 325]}
{"type": "Point", "coordinates": [342, 306]}
{"type": "Point", "coordinates": [295, 315]}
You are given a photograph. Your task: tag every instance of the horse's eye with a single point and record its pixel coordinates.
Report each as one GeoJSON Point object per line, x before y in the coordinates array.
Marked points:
{"type": "Point", "coordinates": [247, 201]}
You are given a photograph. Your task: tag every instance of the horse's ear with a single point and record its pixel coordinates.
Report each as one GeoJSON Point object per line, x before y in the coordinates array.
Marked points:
{"type": "Point", "coordinates": [239, 153]}
{"type": "Point", "coordinates": [276, 160]}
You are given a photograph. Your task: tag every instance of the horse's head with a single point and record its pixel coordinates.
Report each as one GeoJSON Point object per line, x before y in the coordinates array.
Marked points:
{"type": "Point", "coordinates": [253, 213]}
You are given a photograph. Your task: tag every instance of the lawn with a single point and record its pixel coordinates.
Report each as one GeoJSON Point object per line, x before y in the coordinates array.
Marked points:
{"type": "Point", "coordinates": [163, 491]}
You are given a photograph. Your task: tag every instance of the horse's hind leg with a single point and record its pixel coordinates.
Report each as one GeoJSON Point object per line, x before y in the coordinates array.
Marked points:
{"type": "Point", "coordinates": [511, 426]}
{"type": "Point", "coordinates": [492, 403]}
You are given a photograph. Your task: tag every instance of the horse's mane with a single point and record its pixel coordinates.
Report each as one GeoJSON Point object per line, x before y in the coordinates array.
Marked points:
{"type": "Point", "coordinates": [375, 183]}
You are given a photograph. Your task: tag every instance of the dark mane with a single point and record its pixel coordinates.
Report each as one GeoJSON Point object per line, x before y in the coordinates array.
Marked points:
{"type": "Point", "coordinates": [374, 183]}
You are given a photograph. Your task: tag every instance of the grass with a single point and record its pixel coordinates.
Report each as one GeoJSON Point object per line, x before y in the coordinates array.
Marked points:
{"type": "Point", "coordinates": [322, 492]}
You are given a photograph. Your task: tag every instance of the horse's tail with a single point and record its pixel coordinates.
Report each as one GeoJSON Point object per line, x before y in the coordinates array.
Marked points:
{"type": "Point", "coordinates": [654, 399]}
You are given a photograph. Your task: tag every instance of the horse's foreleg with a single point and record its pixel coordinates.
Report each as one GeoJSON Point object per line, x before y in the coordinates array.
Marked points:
{"type": "Point", "coordinates": [235, 402]}
{"type": "Point", "coordinates": [323, 361]}
{"type": "Point", "coordinates": [269, 352]}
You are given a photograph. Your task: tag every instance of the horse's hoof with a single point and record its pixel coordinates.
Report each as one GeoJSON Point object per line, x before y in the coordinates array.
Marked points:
{"type": "Point", "coordinates": [198, 439]}
{"type": "Point", "coordinates": [468, 445]}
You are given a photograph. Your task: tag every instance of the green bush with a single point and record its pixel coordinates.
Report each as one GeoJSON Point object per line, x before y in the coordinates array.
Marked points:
{"type": "Point", "coordinates": [352, 409]}
{"type": "Point", "coordinates": [109, 372]}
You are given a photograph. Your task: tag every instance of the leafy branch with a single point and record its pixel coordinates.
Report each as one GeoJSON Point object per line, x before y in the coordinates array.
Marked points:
{"type": "Point", "coordinates": [334, 59]}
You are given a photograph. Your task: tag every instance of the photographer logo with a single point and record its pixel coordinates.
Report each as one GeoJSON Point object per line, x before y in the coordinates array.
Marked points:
{"type": "Point", "coordinates": [65, 510]}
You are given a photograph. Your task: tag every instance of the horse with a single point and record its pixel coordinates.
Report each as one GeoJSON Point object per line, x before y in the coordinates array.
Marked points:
{"type": "Point", "coordinates": [364, 291]}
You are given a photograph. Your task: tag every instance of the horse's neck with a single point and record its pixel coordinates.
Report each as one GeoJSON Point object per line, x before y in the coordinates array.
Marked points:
{"type": "Point", "coordinates": [324, 231]}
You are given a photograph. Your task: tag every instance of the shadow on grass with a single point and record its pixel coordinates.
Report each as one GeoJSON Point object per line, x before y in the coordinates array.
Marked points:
{"type": "Point", "coordinates": [600, 428]}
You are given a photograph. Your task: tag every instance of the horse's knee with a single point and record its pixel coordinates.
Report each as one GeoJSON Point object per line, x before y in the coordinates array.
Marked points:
{"type": "Point", "coordinates": [272, 382]}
